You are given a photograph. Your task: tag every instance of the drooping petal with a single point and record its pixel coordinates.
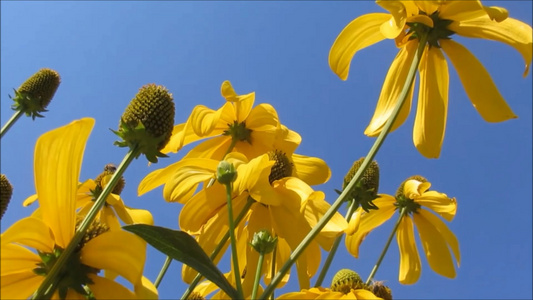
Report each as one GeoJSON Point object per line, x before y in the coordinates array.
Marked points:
{"type": "Point", "coordinates": [435, 247]}
{"type": "Point", "coordinates": [369, 221]}
{"type": "Point", "coordinates": [146, 290]}
{"type": "Point", "coordinates": [312, 170]}
{"type": "Point", "coordinates": [140, 216]}
{"type": "Point", "coordinates": [315, 207]}
{"type": "Point", "coordinates": [400, 11]}
{"type": "Point", "coordinates": [496, 13]}
{"type": "Point", "coordinates": [413, 188]}
{"type": "Point", "coordinates": [477, 83]}
{"type": "Point", "coordinates": [31, 232]}
{"type": "Point", "coordinates": [243, 106]}
{"type": "Point", "coordinates": [57, 164]}
{"type": "Point", "coordinates": [119, 251]}
{"type": "Point", "coordinates": [202, 206]}
{"type": "Point", "coordinates": [29, 200]}
{"type": "Point", "coordinates": [429, 7]}
{"type": "Point", "coordinates": [17, 259]}
{"type": "Point", "coordinates": [392, 87]}
{"type": "Point", "coordinates": [443, 230]}
{"type": "Point", "coordinates": [213, 148]}
{"type": "Point", "coordinates": [108, 217]}
{"type": "Point", "coordinates": [409, 259]}
{"type": "Point", "coordinates": [253, 177]}
{"type": "Point", "coordinates": [512, 32]}
{"type": "Point", "coordinates": [104, 288]}
{"type": "Point", "coordinates": [439, 203]}
{"type": "Point", "coordinates": [204, 120]}
{"type": "Point", "coordinates": [358, 34]}
{"type": "Point", "coordinates": [461, 10]}
{"type": "Point", "coordinates": [177, 138]}
{"type": "Point", "coordinates": [181, 185]}
{"type": "Point", "coordinates": [263, 117]}
{"type": "Point", "coordinates": [20, 285]}
{"type": "Point", "coordinates": [431, 113]}
{"type": "Point", "coordinates": [157, 178]}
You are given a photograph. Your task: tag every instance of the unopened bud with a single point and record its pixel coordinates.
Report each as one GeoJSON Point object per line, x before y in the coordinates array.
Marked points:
{"type": "Point", "coordinates": [263, 242]}
{"type": "Point", "coordinates": [226, 172]}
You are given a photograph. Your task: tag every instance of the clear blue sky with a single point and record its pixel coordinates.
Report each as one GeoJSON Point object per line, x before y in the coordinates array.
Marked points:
{"type": "Point", "coordinates": [105, 51]}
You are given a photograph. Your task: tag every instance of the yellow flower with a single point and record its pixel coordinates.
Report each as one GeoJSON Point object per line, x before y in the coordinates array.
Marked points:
{"type": "Point", "coordinates": [58, 157]}
{"type": "Point", "coordinates": [436, 238]}
{"type": "Point", "coordinates": [441, 19]}
{"type": "Point", "coordinates": [253, 130]}
{"type": "Point", "coordinates": [324, 293]}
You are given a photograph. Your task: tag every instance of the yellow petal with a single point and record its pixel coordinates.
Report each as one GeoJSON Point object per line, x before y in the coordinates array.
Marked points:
{"type": "Point", "coordinates": [140, 216]}
{"type": "Point", "coordinates": [430, 120]}
{"type": "Point", "coordinates": [444, 232]}
{"type": "Point", "coordinates": [253, 177]}
{"type": "Point", "coordinates": [29, 200]}
{"type": "Point", "coordinates": [428, 7]}
{"type": "Point", "coordinates": [315, 207]}
{"type": "Point", "coordinates": [58, 157]}
{"type": "Point", "coordinates": [119, 251]}
{"type": "Point", "coordinates": [20, 285]}
{"type": "Point", "coordinates": [177, 138]}
{"type": "Point", "coordinates": [182, 184]}
{"type": "Point", "coordinates": [204, 120]}
{"type": "Point", "coordinates": [146, 290]}
{"type": "Point", "coordinates": [213, 148]}
{"type": "Point", "coordinates": [20, 259]}
{"type": "Point", "coordinates": [312, 170]}
{"type": "Point", "coordinates": [477, 83]}
{"type": "Point", "coordinates": [409, 259]}
{"type": "Point", "coordinates": [31, 232]}
{"type": "Point", "coordinates": [263, 117]}
{"type": "Point", "coordinates": [287, 140]}
{"type": "Point", "coordinates": [202, 206]}
{"type": "Point", "coordinates": [104, 288]}
{"type": "Point", "coordinates": [496, 13]}
{"type": "Point", "coordinates": [439, 203]}
{"type": "Point", "coordinates": [358, 34]}
{"type": "Point", "coordinates": [413, 189]}
{"type": "Point", "coordinates": [400, 11]}
{"type": "Point", "coordinates": [369, 221]}
{"type": "Point", "coordinates": [461, 10]}
{"type": "Point", "coordinates": [510, 31]}
{"type": "Point", "coordinates": [435, 246]}
{"type": "Point", "coordinates": [394, 82]}
{"type": "Point", "coordinates": [244, 106]}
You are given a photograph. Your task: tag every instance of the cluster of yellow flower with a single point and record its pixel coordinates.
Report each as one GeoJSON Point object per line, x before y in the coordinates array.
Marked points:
{"type": "Point", "coordinates": [243, 181]}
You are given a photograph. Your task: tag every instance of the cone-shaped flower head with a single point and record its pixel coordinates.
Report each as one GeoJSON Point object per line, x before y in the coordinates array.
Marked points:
{"type": "Point", "coordinates": [104, 177]}
{"type": "Point", "coordinates": [148, 121]}
{"type": "Point", "coordinates": [34, 95]}
{"type": "Point", "coordinates": [366, 189]}
{"type": "Point", "coordinates": [346, 280]}
{"type": "Point", "coordinates": [6, 190]}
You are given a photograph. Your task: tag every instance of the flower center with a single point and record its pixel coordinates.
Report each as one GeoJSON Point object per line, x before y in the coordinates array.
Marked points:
{"type": "Point", "coordinates": [74, 274]}
{"type": "Point", "coordinates": [402, 201]}
{"type": "Point", "coordinates": [239, 132]}
{"type": "Point", "coordinates": [282, 166]}
{"type": "Point", "coordinates": [439, 31]}
{"type": "Point", "coordinates": [346, 280]}
{"type": "Point", "coordinates": [103, 179]}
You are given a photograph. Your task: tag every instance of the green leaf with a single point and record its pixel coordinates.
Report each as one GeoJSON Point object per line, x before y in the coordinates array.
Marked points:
{"type": "Point", "coordinates": [182, 247]}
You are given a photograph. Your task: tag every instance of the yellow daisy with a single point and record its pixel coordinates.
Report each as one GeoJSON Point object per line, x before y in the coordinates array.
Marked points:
{"type": "Point", "coordinates": [437, 239]}
{"type": "Point", "coordinates": [58, 157]}
{"type": "Point", "coordinates": [324, 293]}
{"type": "Point", "coordinates": [236, 125]}
{"type": "Point", "coordinates": [441, 19]}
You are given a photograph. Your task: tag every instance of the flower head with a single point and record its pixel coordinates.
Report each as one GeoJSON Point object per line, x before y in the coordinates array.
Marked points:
{"type": "Point", "coordinates": [58, 157]}
{"type": "Point", "coordinates": [34, 95]}
{"type": "Point", "coordinates": [416, 200]}
{"type": "Point", "coordinates": [438, 20]}
{"type": "Point", "coordinates": [6, 190]}
{"type": "Point", "coordinates": [237, 126]}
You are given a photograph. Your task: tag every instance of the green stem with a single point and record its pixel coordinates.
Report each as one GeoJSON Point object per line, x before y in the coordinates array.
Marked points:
{"type": "Point", "coordinates": [387, 244]}
{"type": "Point", "coordinates": [163, 271]}
{"type": "Point", "coordinates": [273, 267]}
{"type": "Point", "coordinates": [82, 228]}
{"type": "Point", "coordinates": [218, 248]}
{"type": "Point", "coordinates": [258, 274]}
{"type": "Point", "coordinates": [234, 256]}
{"type": "Point", "coordinates": [331, 254]}
{"type": "Point", "coordinates": [366, 162]}
{"type": "Point", "coordinates": [10, 122]}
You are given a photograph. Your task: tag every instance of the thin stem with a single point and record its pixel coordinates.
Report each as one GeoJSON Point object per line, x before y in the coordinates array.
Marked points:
{"type": "Point", "coordinates": [10, 122]}
{"type": "Point", "coordinates": [331, 254]}
{"type": "Point", "coordinates": [218, 248]}
{"type": "Point", "coordinates": [235, 258]}
{"type": "Point", "coordinates": [364, 165]}
{"type": "Point", "coordinates": [81, 231]}
{"type": "Point", "coordinates": [273, 267]}
{"type": "Point", "coordinates": [258, 274]}
{"type": "Point", "coordinates": [387, 244]}
{"type": "Point", "coordinates": [163, 271]}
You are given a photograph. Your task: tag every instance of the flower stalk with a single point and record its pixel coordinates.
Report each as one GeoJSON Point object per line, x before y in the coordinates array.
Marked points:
{"type": "Point", "coordinates": [366, 162]}
{"type": "Point", "coordinates": [10, 122]}
{"type": "Point", "coordinates": [235, 258]}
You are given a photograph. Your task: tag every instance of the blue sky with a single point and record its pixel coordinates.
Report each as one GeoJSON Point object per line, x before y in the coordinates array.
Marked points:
{"type": "Point", "coordinates": [105, 51]}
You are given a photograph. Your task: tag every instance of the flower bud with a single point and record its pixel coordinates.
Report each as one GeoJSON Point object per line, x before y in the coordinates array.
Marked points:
{"type": "Point", "coordinates": [148, 121]}
{"type": "Point", "coordinates": [226, 172]}
{"type": "Point", "coordinates": [366, 190]}
{"type": "Point", "coordinates": [6, 190]}
{"type": "Point", "coordinates": [34, 95]}
{"type": "Point", "coordinates": [346, 280]}
{"type": "Point", "coordinates": [263, 242]}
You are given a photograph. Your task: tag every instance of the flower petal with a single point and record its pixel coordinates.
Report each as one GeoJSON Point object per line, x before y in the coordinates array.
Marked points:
{"type": "Point", "coordinates": [312, 170]}
{"type": "Point", "coordinates": [103, 288]}
{"type": "Point", "coordinates": [57, 164]}
{"type": "Point", "coordinates": [118, 251]}
{"type": "Point", "coordinates": [369, 221]}
{"type": "Point", "coordinates": [409, 259]}
{"type": "Point", "coordinates": [31, 232]}
{"type": "Point", "coordinates": [444, 232]}
{"type": "Point", "coordinates": [461, 10]}
{"type": "Point", "coordinates": [29, 200]}
{"type": "Point", "coordinates": [20, 259]}
{"type": "Point", "coordinates": [439, 203]}
{"type": "Point", "coordinates": [435, 247]}
{"type": "Point", "coordinates": [179, 132]}
{"type": "Point", "coordinates": [188, 173]}
{"type": "Point", "coordinates": [400, 11]}
{"type": "Point", "coordinates": [477, 83]}
{"type": "Point", "coordinates": [392, 87]}
{"type": "Point", "coordinates": [146, 290]}
{"type": "Point", "coordinates": [430, 120]}
{"type": "Point", "coordinates": [315, 207]}
{"type": "Point", "coordinates": [202, 206]}
{"type": "Point", "coordinates": [20, 285]}
{"type": "Point", "coordinates": [358, 34]}
{"type": "Point", "coordinates": [512, 32]}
